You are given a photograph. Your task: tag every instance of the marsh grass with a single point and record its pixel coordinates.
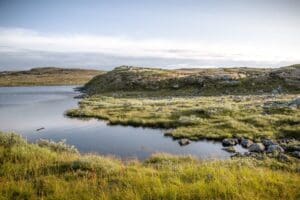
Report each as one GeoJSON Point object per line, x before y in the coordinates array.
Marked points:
{"type": "Point", "coordinates": [28, 171]}
{"type": "Point", "coordinates": [196, 118]}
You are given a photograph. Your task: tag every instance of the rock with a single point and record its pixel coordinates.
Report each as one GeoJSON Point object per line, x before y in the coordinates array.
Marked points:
{"type": "Point", "coordinates": [275, 148]}
{"type": "Point", "coordinates": [246, 143]}
{"type": "Point", "coordinates": [81, 96]}
{"type": "Point", "coordinates": [296, 154]}
{"type": "Point", "coordinates": [268, 142]}
{"type": "Point", "coordinates": [184, 142]}
{"type": "Point", "coordinates": [284, 158]}
{"type": "Point", "coordinates": [229, 149]}
{"type": "Point", "coordinates": [257, 147]}
{"type": "Point", "coordinates": [237, 154]}
{"type": "Point", "coordinates": [175, 86]}
{"type": "Point", "coordinates": [295, 103]}
{"type": "Point", "coordinates": [229, 142]}
{"type": "Point", "coordinates": [168, 133]}
{"type": "Point", "coordinates": [39, 129]}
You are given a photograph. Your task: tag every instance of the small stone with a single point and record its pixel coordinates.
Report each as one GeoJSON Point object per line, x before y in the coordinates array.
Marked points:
{"type": "Point", "coordinates": [175, 86]}
{"type": "Point", "coordinates": [275, 148]}
{"type": "Point", "coordinates": [268, 142]}
{"type": "Point", "coordinates": [229, 149]}
{"type": "Point", "coordinates": [257, 147]}
{"type": "Point", "coordinates": [184, 142]}
{"type": "Point", "coordinates": [229, 142]}
{"type": "Point", "coordinates": [246, 143]}
{"type": "Point", "coordinates": [168, 133]}
{"type": "Point", "coordinates": [296, 154]}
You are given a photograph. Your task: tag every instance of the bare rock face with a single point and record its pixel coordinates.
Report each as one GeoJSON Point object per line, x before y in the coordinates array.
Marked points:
{"type": "Point", "coordinates": [257, 147]}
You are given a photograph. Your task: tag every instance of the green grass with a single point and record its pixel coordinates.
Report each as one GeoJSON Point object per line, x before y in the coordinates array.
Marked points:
{"type": "Point", "coordinates": [197, 118]}
{"type": "Point", "coordinates": [29, 171]}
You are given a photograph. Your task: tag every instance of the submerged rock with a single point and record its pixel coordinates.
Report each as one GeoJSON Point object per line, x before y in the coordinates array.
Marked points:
{"type": "Point", "coordinates": [184, 142]}
{"type": "Point", "coordinates": [257, 147]}
{"type": "Point", "coordinates": [229, 142]}
{"type": "Point", "coordinates": [275, 148]}
{"type": "Point", "coordinates": [246, 143]}
{"type": "Point", "coordinates": [229, 149]}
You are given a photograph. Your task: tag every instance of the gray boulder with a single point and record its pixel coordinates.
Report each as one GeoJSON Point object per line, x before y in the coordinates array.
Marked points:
{"type": "Point", "coordinates": [246, 143]}
{"type": "Point", "coordinates": [275, 148]}
{"type": "Point", "coordinates": [268, 142]}
{"type": "Point", "coordinates": [229, 142]}
{"type": "Point", "coordinates": [257, 147]}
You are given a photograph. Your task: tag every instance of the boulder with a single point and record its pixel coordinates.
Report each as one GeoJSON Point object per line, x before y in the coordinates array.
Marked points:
{"type": "Point", "coordinates": [257, 147]}
{"type": "Point", "coordinates": [246, 143]}
{"type": "Point", "coordinates": [229, 142]}
{"type": "Point", "coordinates": [184, 142]}
{"type": "Point", "coordinates": [275, 148]}
{"type": "Point", "coordinates": [268, 142]}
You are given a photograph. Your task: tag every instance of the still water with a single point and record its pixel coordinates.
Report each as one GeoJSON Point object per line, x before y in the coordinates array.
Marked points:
{"type": "Point", "coordinates": [25, 109]}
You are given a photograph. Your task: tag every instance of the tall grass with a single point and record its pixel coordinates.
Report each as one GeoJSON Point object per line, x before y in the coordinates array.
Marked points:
{"type": "Point", "coordinates": [29, 171]}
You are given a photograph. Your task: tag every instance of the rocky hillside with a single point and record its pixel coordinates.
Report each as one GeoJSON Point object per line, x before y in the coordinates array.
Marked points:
{"type": "Point", "coordinates": [197, 81]}
{"type": "Point", "coordinates": [47, 76]}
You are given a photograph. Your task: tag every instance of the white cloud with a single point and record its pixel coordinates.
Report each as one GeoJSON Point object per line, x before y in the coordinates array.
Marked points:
{"type": "Point", "coordinates": [18, 40]}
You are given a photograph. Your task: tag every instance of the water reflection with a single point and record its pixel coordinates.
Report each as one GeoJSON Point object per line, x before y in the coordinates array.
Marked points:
{"type": "Point", "coordinates": [25, 109]}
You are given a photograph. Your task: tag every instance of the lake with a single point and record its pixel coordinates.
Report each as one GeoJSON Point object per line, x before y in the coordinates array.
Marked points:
{"type": "Point", "coordinates": [25, 109]}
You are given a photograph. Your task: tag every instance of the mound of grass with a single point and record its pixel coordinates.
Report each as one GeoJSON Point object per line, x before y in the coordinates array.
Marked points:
{"type": "Point", "coordinates": [29, 171]}
{"type": "Point", "coordinates": [199, 117]}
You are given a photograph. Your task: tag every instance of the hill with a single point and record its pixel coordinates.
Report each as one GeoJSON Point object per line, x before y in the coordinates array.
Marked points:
{"type": "Point", "coordinates": [47, 76]}
{"type": "Point", "coordinates": [194, 82]}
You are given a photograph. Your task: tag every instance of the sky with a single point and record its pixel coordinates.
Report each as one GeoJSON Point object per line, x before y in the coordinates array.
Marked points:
{"type": "Point", "coordinates": [156, 33]}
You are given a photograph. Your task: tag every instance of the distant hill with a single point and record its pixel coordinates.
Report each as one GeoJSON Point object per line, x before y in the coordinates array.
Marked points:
{"type": "Point", "coordinates": [47, 76]}
{"type": "Point", "coordinates": [213, 81]}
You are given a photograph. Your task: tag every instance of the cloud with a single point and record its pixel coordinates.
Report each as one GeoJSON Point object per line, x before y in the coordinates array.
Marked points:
{"type": "Point", "coordinates": [31, 45]}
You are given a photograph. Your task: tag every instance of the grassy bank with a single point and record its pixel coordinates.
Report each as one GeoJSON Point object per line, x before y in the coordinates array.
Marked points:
{"type": "Point", "coordinates": [218, 117]}
{"type": "Point", "coordinates": [52, 171]}
{"type": "Point", "coordinates": [47, 76]}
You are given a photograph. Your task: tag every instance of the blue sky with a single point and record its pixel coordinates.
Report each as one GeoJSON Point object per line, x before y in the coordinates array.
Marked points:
{"type": "Point", "coordinates": [161, 33]}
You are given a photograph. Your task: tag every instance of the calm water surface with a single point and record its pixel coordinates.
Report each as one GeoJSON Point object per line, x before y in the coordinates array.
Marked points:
{"type": "Point", "coordinates": [25, 109]}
